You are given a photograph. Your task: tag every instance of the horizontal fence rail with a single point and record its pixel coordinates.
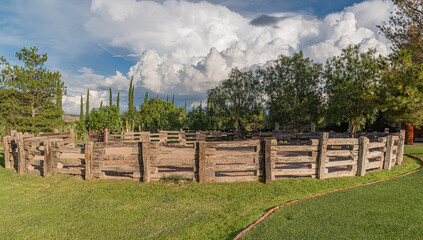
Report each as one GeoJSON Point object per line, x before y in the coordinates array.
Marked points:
{"type": "Point", "coordinates": [204, 157]}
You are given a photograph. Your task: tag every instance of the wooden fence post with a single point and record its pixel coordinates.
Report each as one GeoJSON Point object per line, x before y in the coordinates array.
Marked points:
{"type": "Point", "coordinates": [72, 135]}
{"type": "Point", "coordinates": [400, 151]}
{"type": "Point", "coordinates": [362, 155]}
{"type": "Point", "coordinates": [21, 154]}
{"type": "Point", "coordinates": [323, 145]}
{"type": "Point", "coordinates": [388, 154]}
{"type": "Point", "coordinates": [145, 155]}
{"type": "Point", "coordinates": [106, 135]}
{"type": "Point", "coordinates": [201, 157]}
{"type": "Point", "coordinates": [7, 162]}
{"type": "Point", "coordinates": [268, 177]}
{"type": "Point", "coordinates": [88, 150]}
{"type": "Point", "coordinates": [48, 161]}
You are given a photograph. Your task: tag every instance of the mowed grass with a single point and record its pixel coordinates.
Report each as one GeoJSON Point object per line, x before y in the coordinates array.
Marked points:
{"type": "Point", "coordinates": [66, 207]}
{"type": "Point", "coordinates": [389, 210]}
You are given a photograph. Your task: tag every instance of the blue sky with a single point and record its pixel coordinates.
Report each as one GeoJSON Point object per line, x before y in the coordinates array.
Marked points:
{"type": "Point", "coordinates": [179, 47]}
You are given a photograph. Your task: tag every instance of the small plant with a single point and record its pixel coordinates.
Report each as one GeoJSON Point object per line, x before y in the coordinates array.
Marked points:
{"type": "Point", "coordinates": [177, 179]}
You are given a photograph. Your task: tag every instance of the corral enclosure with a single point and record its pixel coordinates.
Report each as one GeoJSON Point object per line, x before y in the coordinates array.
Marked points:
{"type": "Point", "coordinates": [204, 156]}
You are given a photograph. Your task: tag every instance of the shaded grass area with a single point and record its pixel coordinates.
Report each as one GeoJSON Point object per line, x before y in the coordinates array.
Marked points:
{"type": "Point", "coordinates": [387, 210]}
{"type": "Point", "coordinates": [63, 206]}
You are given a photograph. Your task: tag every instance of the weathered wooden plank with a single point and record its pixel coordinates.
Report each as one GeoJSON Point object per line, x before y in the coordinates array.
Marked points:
{"type": "Point", "coordinates": [71, 171]}
{"type": "Point", "coordinates": [22, 166]}
{"type": "Point", "coordinates": [375, 154]}
{"type": "Point", "coordinates": [7, 156]}
{"type": "Point", "coordinates": [388, 154]}
{"type": "Point", "coordinates": [88, 159]}
{"type": "Point", "coordinates": [290, 148]}
{"type": "Point", "coordinates": [400, 152]}
{"type": "Point", "coordinates": [307, 159]}
{"type": "Point", "coordinates": [163, 175]}
{"type": "Point", "coordinates": [340, 174]}
{"type": "Point", "coordinates": [237, 167]}
{"type": "Point", "coordinates": [362, 155]}
{"type": "Point", "coordinates": [201, 159]}
{"type": "Point", "coordinates": [322, 155]}
{"type": "Point", "coordinates": [267, 146]}
{"type": "Point", "coordinates": [373, 145]}
{"type": "Point", "coordinates": [250, 143]}
{"type": "Point", "coordinates": [174, 162]}
{"type": "Point", "coordinates": [48, 159]}
{"type": "Point", "coordinates": [71, 161]}
{"type": "Point", "coordinates": [342, 141]}
{"type": "Point", "coordinates": [293, 172]}
{"type": "Point", "coordinates": [145, 157]}
{"type": "Point", "coordinates": [340, 163]}
{"type": "Point", "coordinates": [341, 153]}
{"type": "Point", "coordinates": [119, 168]}
{"type": "Point", "coordinates": [375, 164]}
{"type": "Point", "coordinates": [236, 179]}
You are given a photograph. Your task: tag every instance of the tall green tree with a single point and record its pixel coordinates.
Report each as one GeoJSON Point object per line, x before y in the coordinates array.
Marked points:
{"type": "Point", "coordinates": [110, 97]}
{"type": "Point", "coordinates": [405, 28]}
{"type": "Point", "coordinates": [105, 117]}
{"type": "Point", "coordinates": [146, 97]}
{"type": "Point", "coordinates": [173, 99]}
{"type": "Point", "coordinates": [238, 98]}
{"type": "Point", "coordinates": [351, 83]}
{"type": "Point", "coordinates": [81, 113]}
{"type": "Point", "coordinates": [401, 90]}
{"type": "Point", "coordinates": [118, 100]}
{"type": "Point", "coordinates": [87, 107]}
{"type": "Point", "coordinates": [131, 95]}
{"type": "Point", "coordinates": [293, 89]}
{"type": "Point", "coordinates": [162, 115]}
{"type": "Point", "coordinates": [29, 93]}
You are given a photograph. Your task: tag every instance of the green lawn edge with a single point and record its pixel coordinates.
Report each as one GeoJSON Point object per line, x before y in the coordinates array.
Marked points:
{"type": "Point", "coordinates": [63, 206]}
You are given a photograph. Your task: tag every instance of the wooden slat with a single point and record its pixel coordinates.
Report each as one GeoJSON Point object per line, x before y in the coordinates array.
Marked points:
{"type": "Point", "coordinates": [238, 167]}
{"type": "Point", "coordinates": [342, 141]}
{"type": "Point", "coordinates": [306, 159]}
{"type": "Point", "coordinates": [376, 145]}
{"type": "Point", "coordinates": [340, 174]}
{"type": "Point", "coordinates": [120, 168]}
{"type": "Point", "coordinates": [340, 163]}
{"type": "Point", "coordinates": [341, 153]}
{"type": "Point", "coordinates": [289, 148]}
{"type": "Point", "coordinates": [74, 171]}
{"type": "Point", "coordinates": [375, 154]}
{"type": "Point", "coordinates": [304, 171]}
{"type": "Point", "coordinates": [251, 143]}
{"type": "Point", "coordinates": [376, 164]}
{"type": "Point", "coordinates": [236, 179]}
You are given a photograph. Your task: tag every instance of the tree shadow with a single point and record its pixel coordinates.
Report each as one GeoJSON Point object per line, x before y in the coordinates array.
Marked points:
{"type": "Point", "coordinates": [2, 159]}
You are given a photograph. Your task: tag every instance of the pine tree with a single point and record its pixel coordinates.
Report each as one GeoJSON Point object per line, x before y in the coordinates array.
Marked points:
{"type": "Point", "coordinates": [110, 97]}
{"type": "Point", "coordinates": [87, 107]}
{"type": "Point", "coordinates": [81, 113]}
{"type": "Point", "coordinates": [146, 97]}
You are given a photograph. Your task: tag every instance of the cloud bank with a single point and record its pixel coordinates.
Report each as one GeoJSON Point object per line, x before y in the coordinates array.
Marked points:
{"type": "Point", "coordinates": [185, 48]}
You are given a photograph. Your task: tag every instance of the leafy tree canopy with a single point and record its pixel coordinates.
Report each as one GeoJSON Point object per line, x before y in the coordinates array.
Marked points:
{"type": "Point", "coordinates": [29, 93]}
{"type": "Point", "coordinates": [104, 117]}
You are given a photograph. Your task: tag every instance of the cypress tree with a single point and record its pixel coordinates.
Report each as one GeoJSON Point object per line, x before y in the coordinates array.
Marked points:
{"type": "Point", "coordinates": [101, 104]}
{"type": "Point", "coordinates": [87, 107]}
{"type": "Point", "coordinates": [59, 95]}
{"type": "Point", "coordinates": [117, 101]}
{"type": "Point", "coordinates": [81, 113]}
{"type": "Point", "coordinates": [173, 99]}
{"type": "Point", "coordinates": [110, 97]}
{"type": "Point", "coordinates": [167, 98]}
{"type": "Point", "coordinates": [146, 97]}
{"type": "Point", "coordinates": [130, 95]}
{"type": "Point", "coordinates": [185, 105]}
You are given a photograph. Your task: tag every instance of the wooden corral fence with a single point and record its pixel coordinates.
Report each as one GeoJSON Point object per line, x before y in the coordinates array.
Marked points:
{"type": "Point", "coordinates": [152, 157]}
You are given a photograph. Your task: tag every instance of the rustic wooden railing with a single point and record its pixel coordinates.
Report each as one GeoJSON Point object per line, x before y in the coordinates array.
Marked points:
{"type": "Point", "coordinates": [152, 157]}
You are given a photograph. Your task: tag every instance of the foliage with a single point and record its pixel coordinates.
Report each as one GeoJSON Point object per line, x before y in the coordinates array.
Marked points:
{"type": "Point", "coordinates": [405, 28]}
{"type": "Point", "coordinates": [28, 93]}
{"type": "Point", "coordinates": [351, 81]}
{"type": "Point", "coordinates": [118, 101]}
{"type": "Point", "coordinates": [131, 96]}
{"type": "Point", "coordinates": [162, 115]}
{"type": "Point", "coordinates": [110, 97]}
{"type": "Point", "coordinates": [237, 98]}
{"type": "Point", "coordinates": [105, 117]}
{"type": "Point", "coordinates": [131, 120]}
{"type": "Point", "coordinates": [81, 112]}
{"type": "Point", "coordinates": [87, 107]}
{"type": "Point", "coordinates": [401, 90]}
{"type": "Point", "coordinates": [293, 89]}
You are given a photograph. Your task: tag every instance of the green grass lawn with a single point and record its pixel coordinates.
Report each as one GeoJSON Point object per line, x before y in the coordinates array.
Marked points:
{"type": "Point", "coordinates": [387, 210]}
{"type": "Point", "coordinates": [64, 207]}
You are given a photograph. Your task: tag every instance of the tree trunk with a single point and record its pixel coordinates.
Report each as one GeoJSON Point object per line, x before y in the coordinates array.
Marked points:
{"type": "Point", "coordinates": [409, 134]}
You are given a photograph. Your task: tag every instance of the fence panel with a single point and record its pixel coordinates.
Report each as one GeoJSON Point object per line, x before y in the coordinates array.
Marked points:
{"type": "Point", "coordinates": [341, 157]}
